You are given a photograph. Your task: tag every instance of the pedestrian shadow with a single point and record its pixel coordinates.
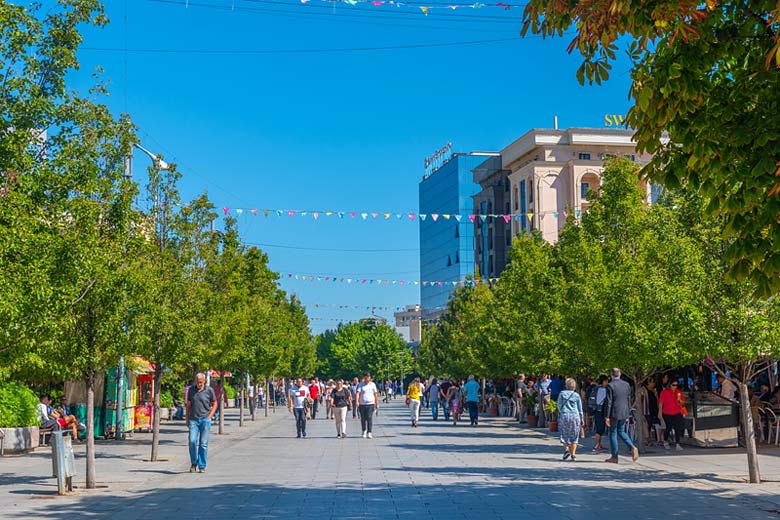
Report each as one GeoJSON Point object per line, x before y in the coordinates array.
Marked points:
{"type": "Point", "coordinates": [407, 500]}
{"type": "Point", "coordinates": [481, 448]}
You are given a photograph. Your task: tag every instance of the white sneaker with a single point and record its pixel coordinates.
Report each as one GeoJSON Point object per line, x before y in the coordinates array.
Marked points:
{"type": "Point", "coordinates": [370, 436]}
{"type": "Point", "coordinates": [364, 434]}
{"type": "Point", "coordinates": [678, 448]}
{"type": "Point", "coordinates": [666, 446]}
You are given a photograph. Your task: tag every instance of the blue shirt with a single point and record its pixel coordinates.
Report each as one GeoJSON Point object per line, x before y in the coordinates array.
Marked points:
{"type": "Point", "coordinates": [472, 391]}
{"type": "Point", "coordinates": [556, 385]}
{"type": "Point", "coordinates": [544, 387]}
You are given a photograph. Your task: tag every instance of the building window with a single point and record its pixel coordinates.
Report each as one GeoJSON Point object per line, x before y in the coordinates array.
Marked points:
{"type": "Point", "coordinates": [530, 190]}
{"type": "Point", "coordinates": [508, 238]}
{"type": "Point", "coordinates": [449, 261]}
{"type": "Point", "coordinates": [490, 241]}
{"type": "Point", "coordinates": [457, 231]}
{"type": "Point", "coordinates": [490, 208]}
{"type": "Point", "coordinates": [506, 184]}
{"type": "Point", "coordinates": [584, 187]}
{"type": "Point", "coordinates": [584, 156]}
{"type": "Point", "coordinates": [491, 266]}
{"type": "Point", "coordinates": [517, 197]}
{"type": "Point", "coordinates": [508, 209]}
{"type": "Point", "coordinates": [457, 257]}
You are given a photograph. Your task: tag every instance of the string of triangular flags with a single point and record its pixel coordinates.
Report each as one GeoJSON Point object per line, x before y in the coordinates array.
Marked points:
{"type": "Point", "coordinates": [394, 216]}
{"type": "Point", "coordinates": [424, 9]}
{"type": "Point", "coordinates": [367, 307]}
{"type": "Point", "coordinates": [375, 281]}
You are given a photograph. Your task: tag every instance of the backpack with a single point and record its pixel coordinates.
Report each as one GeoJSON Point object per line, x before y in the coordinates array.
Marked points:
{"type": "Point", "coordinates": [593, 391]}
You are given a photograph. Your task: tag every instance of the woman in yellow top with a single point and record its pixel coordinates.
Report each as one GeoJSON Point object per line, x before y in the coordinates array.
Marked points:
{"type": "Point", "coordinates": [413, 395]}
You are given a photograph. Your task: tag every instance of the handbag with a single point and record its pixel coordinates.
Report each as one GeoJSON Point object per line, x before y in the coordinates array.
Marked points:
{"type": "Point", "coordinates": [408, 401]}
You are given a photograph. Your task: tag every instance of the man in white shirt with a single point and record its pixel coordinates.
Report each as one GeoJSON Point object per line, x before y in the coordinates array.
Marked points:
{"type": "Point", "coordinates": [726, 388]}
{"type": "Point", "coordinates": [368, 403]}
{"type": "Point", "coordinates": [297, 406]}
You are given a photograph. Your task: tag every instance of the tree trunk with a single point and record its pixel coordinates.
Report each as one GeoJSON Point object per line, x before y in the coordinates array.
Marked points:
{"type": "Point", "coordinates": [749, 433]}
{"type": "Point", "coordinates": [91, 430]}
{"type": "Point", "coordinates": [253, 401]}
{"type": "Point", "coordinates": [641, 423]}
{"type": "Point", "coordinates": [221, 409]}
{"type": "Point", "coordinates": [241, 407]}
{"type": "Point", "coordinates": [267, 395]}
{"type": "Point", "coordinates": [158, 372]}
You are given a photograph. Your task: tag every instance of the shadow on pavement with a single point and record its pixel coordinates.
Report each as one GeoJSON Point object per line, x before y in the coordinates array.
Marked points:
{"type": "Point", "coordinates": [487, 500]}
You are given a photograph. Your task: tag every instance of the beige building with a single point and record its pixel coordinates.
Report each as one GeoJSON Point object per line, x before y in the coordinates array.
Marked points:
{"type": "Point", "coordinates": [409, 323]}
{"type": "Point", "coordinates": [553, 171]}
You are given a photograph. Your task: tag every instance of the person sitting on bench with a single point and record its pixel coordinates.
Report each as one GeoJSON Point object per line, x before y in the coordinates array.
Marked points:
{"type": "Point", "coordinates": [62, 413]}
{"type": "Point", "coordinates": [44, 419]}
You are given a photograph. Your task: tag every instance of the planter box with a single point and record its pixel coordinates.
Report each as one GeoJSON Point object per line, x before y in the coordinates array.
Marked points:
{"type": "Point", "coordinates": [20, 439]}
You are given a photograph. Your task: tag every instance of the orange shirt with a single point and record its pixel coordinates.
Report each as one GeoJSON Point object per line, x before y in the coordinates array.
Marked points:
{"type": "Point", "coordinates": [669, 401]}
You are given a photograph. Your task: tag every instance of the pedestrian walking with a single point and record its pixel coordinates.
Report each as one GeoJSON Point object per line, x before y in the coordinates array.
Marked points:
{"type": "Point", "coordinates": [571, 419]}
{"type": "Point", "coordinates": [297, 404]}
{"type": "Point", "coordinates": [340, 403]}
{"type": "Point", "coordinates": [368, 401]}
{"type": "Point", "coordinates": [413, 395]}
{"type": "Point", "coordinates": [200, 406]}
{"type": "Point", "coordinates": [599, 420]}
{"type": "Point", "coordinates": [328, 407]}
{"type": "Point", "coordinates": [444, 389]}
{"type": "Point", "coordinates": [434, 391]}
{"type": "Point", "coordinates": [471, 390]}
{"type": "Point", "coordinates": [617, 410]}
{"type": "Point", "coordinates": [521, 391]}
{"type": "Point", "coordinates": [314, 392]}
{"type": "Point", "coordinates": [454, 404]}
{"type": "Point", "coordinates": [671, 409]}
{"type": "Point", "coordinates": [353, 389]}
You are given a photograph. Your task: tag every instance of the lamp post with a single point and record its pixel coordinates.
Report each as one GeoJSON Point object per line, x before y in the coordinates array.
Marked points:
{"type": "Point", "coordinates": [160, 165]}
{"type": "Point", "coordinates": [538, 181]}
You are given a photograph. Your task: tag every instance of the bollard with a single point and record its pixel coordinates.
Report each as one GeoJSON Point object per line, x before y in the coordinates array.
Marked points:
{"type": "Point", "coordinates": [62, 461]}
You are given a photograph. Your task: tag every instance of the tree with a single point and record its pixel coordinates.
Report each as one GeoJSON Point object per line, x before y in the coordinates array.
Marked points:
{"type": "Point", "coordinates": [706, 76]}
{"type": "Point", "coordinates": [355, 348]}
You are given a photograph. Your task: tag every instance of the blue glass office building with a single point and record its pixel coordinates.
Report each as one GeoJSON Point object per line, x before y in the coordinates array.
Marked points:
{"type": "Point", "coordinates": [447, 246]}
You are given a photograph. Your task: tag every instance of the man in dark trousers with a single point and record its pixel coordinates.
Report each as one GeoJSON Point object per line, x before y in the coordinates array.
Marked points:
{"type": "Point", "coordinates": [617, 409]}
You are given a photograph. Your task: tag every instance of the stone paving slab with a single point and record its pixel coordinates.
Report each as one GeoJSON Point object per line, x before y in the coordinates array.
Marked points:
{"type": "Point", "coordinates": [438, 471]}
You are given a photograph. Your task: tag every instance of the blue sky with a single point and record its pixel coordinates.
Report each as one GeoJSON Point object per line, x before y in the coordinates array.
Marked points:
{"type": "Point", "coordinates": [341, 131]}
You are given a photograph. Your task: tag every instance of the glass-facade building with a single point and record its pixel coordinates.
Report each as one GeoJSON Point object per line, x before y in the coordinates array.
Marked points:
{"type": "Point", "coordinates": [447, 245]}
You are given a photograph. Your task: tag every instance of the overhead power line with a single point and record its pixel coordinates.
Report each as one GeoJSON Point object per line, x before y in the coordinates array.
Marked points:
{"type": "Point", "coordinates": [298, 51]}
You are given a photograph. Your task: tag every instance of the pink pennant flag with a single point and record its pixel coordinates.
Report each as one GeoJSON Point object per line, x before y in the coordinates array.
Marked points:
{"type": "Point", "coordinates": [507, 218]}
{"type": "Point", "coordinates": [472, 218]}
{"type": "Point", "coordinates": [453, 7]}
{"type": "Point", "coordinates": [402, 282]}
{"type": "Point", "coordinates": [316, 215]}
{"type": "Point", "coordinates": [327, 278]}
{"type": "Point", "coordinates": [291, 213]}
{"type": "Point", "coordinates": [225, 210]}
{"type": "Point", "coordinates": [441, 284]}
{"type": "Point", "coordinates": [377, 3]}
{"type": "Point", "coordinates": [254, 212]}
{"type": "Point", "coordinates": [362, 281]}
{"type": "Point", "coordinates": [425, 284]}
{"type": "Point", "coordinates": [374, 215]}
{"type": "Point", "coordinates": [352, 214]}
{"type": "Point", "coordinates": [304, 1]}
{"type": "Point", "coordinates": [435, 216]}
{"type": "Point", "coordinates": [566, 214]}
{"type": "Point", "coordinates": [411, 216]}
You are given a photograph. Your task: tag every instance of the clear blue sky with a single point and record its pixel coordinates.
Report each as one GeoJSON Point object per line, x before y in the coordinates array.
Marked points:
{"type": "Point", "coordinates": [342, 131]}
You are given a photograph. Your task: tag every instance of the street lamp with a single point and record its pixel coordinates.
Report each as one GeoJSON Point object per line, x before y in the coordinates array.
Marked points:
{"type": "Point", "coordinates": [538, 208]}
{"type": "Point", "coordinates": [157, 162]}
{"type": "Point", "coordinates": [160, 165]}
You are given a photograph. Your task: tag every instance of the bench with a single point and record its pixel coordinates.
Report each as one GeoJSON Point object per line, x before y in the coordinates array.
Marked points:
{"type": "Point", "coordinates": [43, 433]}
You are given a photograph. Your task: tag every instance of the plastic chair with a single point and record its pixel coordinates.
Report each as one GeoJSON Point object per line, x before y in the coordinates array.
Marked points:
{"type": "Point", "coordinates": [773, 425]}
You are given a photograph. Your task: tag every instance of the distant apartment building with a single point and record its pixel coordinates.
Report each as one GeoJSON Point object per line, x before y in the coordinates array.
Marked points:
{"type": "Point", "coordinates": [408, 322]}
{"type": "Point", "coordinates": [447, 244]}
{"type": "Point", "coordinates": [492, 236]}
{"type": "Point", "coordinates": [553, 173]}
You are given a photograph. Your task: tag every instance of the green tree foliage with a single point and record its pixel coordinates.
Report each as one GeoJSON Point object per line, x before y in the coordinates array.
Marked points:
{"type": "Point", "coordinates": [705, 75]}
{"type": "Point", "coordinates": [355, 348]}
{"type": "Point", "coordinates": [18, 406]}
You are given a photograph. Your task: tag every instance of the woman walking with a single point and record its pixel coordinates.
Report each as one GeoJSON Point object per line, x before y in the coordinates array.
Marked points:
{"type": "Point", "coordinates": [340, 403]}
{"type": "Point", "coordinates": [671, 408]}
{"type": "Point", "coordinates": [570, 419]}
{"type": "Point", "coordinates": [454, 402]}
{"type": "Point", "coordinates": [413, 396]}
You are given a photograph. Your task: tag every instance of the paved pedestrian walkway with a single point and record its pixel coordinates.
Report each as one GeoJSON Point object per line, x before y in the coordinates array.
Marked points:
{"type": "Point", "coordinates": [495, 471]}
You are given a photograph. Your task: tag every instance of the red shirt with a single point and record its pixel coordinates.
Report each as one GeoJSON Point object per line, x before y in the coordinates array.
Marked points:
{"type": "Point", "coordinates": [314, 391]}
{"type": "Point", "coordinates": [669, 401]}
